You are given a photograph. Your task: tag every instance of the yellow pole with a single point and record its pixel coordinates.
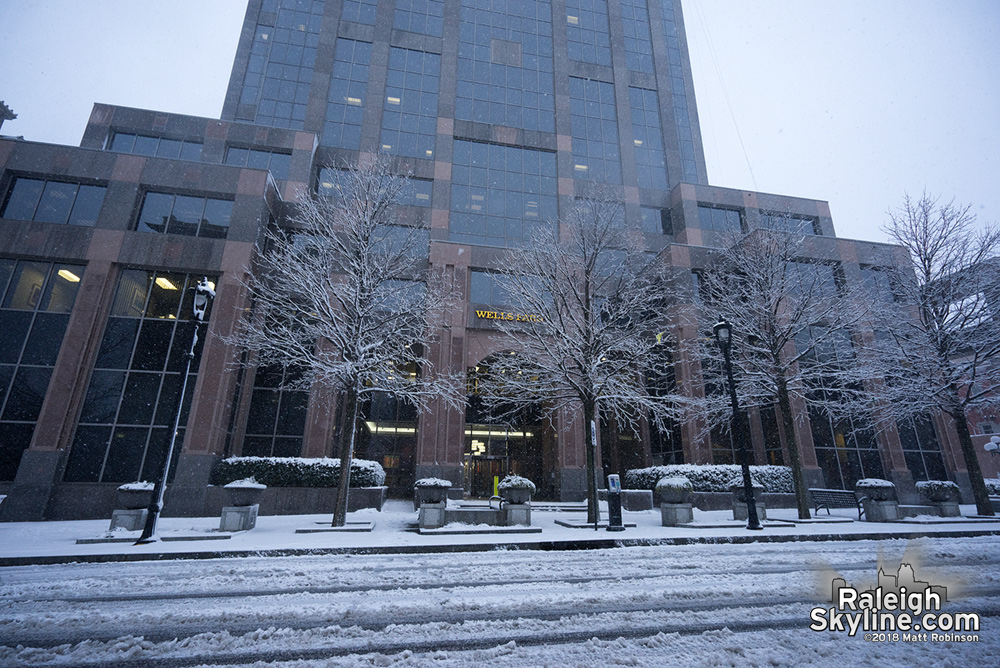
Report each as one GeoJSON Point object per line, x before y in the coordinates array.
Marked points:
{"type": "Point", "coordinates": [496, 485]}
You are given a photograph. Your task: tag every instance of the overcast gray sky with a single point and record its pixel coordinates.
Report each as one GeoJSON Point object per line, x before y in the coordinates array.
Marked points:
{"type": "Point", "coordinates": [849, 101]}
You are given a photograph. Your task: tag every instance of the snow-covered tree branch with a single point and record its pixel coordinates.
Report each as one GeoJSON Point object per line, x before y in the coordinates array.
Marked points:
{"type": "Point", "coordinates": [791, 320]}
{"type": "Point", "coordinates": [601, 301]}
{"type": "Point", "coordinates": [937, 340]}
{"type": "Point", "coordinates": [344, 296]}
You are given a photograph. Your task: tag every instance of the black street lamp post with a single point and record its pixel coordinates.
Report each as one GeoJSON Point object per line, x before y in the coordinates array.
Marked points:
{"type": "Point", "coordinates": [723, 336]}
{"type": "Point", "coordinates": [203, 294]}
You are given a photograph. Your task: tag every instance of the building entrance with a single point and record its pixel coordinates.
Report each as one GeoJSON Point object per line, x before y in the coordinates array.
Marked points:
{"type": "Point", "coordinates": [495, 447]}
{"type": "Point", "coordinates": [492, 452]}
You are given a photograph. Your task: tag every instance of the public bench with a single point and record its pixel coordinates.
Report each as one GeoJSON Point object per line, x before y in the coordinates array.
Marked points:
{"type": "Point", "coordinates": [836, 498]}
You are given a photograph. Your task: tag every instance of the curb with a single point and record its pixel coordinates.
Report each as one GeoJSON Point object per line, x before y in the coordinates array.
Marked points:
{"type": "Point", "coordinates": [544, 546]}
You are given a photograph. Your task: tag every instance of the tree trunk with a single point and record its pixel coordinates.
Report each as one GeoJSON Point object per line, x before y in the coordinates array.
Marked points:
{"type": "Point", "coordinates": [346, 456]}
{"type": "Point", "coordinates": [798, 482]}
{"type": "Point", "coordinates": [590, 434]}
{"type": "Point", "coordinates": [979, 492]}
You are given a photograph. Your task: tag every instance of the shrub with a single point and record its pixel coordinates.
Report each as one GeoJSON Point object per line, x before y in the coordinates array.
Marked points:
{"type": "Point", "coordinates": [938, 490]}
{"type": "Point", "coordinates": [993, 487]}
{"type": "Point", "coordinates": [516, 482]}
{"type": "Point", "coordinates": [297, 472]}
{"type": "Point", "coordinates": [674, 490]}
{"type": "Point", "coordinates": [711, 477]}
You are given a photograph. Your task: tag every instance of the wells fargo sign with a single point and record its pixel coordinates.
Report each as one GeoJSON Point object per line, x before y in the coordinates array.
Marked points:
{"type": "Point", "coordinates": [506, 315]}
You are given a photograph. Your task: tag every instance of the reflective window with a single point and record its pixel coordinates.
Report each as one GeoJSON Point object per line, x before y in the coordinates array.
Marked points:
{"type": "Point", "coordinates": [417, 192]}
{"type": "Point", "coordinates": [501, 195]}
{"type": "Point", "coordinates": [276, 420]}
{"type": "Point", "coordinates": [505, 64]}
{"type": "Point", "coordinates": [127, 415]}
{"type": "Point", "coordinates": [595, 131]}
{"type": "Point", "coordinates": [182, 214]}
{"type": "Point", "coordinates": [422, 16]}
{"type": "Point", "coordinates": [275, 162]}
{"type": "Point", "coordinates": [638, 44]}
{"type": "Point", "coordinates": [647, 138]}
{"type": "Point", "coordinates": [789, 222]}
{"type": "Point", "coordinates": [655, 221]}
{"type": "Point", "coordinates": [160, 147]}
{"type": "Point", "coordinates": [489, 288]}
{"type": "Point", "coordinates": [282, 57]}
{"type": "Point", "coordinates": [360, 11]}
{"type": "Point", "coordinates": [921, 449]}
{"type": "Point", "coordinates": [587, 31]}
{"type": "Point", "coordinates": [881, 282]}
{"type": "Point", "coordinates": [36, 299]}
{"type": "Point", "coordinates": [726, 221]}
{"type": "Point", "coordinates": [345, 108]}
{"type": "Point", "coordinates": [409, 115]}
{"type": "Point", "coordinates": [678, 92]}
{"type": "Point", "coordinates": [53, 202]}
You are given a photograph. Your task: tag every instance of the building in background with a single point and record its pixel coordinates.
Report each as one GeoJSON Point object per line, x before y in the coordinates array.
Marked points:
{"type": "Point", "coordinates": [502, 112]}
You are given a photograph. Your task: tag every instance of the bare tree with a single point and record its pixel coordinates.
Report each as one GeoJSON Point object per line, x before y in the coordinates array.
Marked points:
{"type": "Point", "coordinates": [592, 303]}
{"type": "Point", "coordinates": [792, 317]}
{"type": "Point", "coordinates": [344, 296]}
{"type": "Point", "coordinates": [937, 340]}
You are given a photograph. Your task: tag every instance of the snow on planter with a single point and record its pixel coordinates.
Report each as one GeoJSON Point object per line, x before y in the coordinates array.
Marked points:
{"type": "Point", "coordinates": [876, 489]}
{"type": "Point", "coordinates": [433, 482]}
{"type": "Point", "coordinates": [676, 489]}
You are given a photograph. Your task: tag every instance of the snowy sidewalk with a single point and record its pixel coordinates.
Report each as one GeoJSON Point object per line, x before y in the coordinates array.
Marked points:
{"type": "Point", "coordinates": [57, 542]}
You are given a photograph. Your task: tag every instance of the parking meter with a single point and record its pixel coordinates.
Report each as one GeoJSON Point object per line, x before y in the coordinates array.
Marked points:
{"type": "Point", "coordinates": [615, 504]}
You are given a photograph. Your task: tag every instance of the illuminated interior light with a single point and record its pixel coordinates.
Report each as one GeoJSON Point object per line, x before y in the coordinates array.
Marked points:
{"type": "Point", "coordinates": [580, 168]}
{"type": "Point", "coordinates": [478, 198]}
{"type": "Point", "coordinates": [392, 100]}
{"type": "Point", "coordinates": [429, 153]}
{"type": "Point", "coordinates": [356, 101]}
{"type": "Point", "coordinates": [422, 196]}
{"type": "Point", "coordinates": [572, 20]}
{"type": "Point", "coordinates": [476, 207]}
{"type": "Point", "coordinates": [377, 428]}
{"type": "Point", "coordinates": [68, 275]}
{"type": "Point", "coordinates": [638, 142]}
{"type": "Point", "coordinates": [386, 147]}
{"type": "Point", "coordinates": [165, 284]}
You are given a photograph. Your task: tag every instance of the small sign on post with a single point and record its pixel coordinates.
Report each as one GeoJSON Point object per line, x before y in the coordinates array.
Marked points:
{"type": "Point", "coordinates": [615, 504]}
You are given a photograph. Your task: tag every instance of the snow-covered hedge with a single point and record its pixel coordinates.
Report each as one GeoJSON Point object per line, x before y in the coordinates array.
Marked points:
{"type": "Point", "coordinates": [993, 486]}
{"type": "Point", "coordinates": [297, 472]}
{"type": "Point", "coordinates": [938, 490]}
{"type": "Point", "coordinates": [711, 477]}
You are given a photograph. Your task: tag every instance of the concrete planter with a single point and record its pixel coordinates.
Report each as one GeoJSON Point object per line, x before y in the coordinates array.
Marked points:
{"type": "Point", "coordinates": [243, 496]}
{"type": "Point", "coordinates": [673, 514]}
{"type": "Point", "coordinates": [516, 495]}
{"type": "Point", "coordinates": [134, 499]}
{"type": "Point", "coordinates": [741, 513]}
{"type": "Point", "coordinates": [881, 511]}
{"type": "Point", "coordinates": [429, 494]}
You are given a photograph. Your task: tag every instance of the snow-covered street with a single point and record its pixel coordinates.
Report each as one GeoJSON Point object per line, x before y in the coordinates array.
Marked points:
{"type": "Point", "coordinates": [693, 605]}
